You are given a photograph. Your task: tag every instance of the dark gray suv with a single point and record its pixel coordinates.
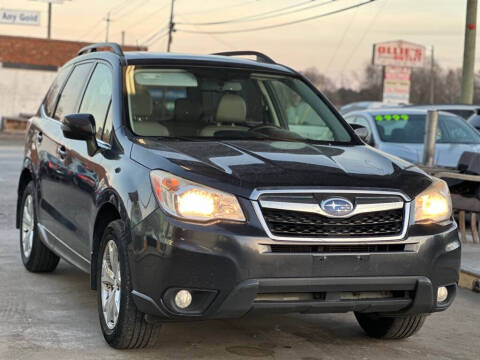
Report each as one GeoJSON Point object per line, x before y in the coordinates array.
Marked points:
{"type": "Point", "coordinates": [195, 187]}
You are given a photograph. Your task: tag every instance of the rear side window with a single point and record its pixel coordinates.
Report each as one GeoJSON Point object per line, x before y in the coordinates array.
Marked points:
{"type": "Point", "coordinates": [98, 96]}
{"type": "Point", "coordinates": [67, 104]}
{"type": "Point", "coordinates": [51, 98]}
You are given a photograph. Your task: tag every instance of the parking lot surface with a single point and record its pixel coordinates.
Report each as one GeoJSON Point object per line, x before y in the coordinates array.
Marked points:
{"type": "Point", "coordinates": [54, 316]}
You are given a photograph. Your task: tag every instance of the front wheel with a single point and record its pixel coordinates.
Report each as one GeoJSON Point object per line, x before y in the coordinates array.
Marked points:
{"type": "Point", "coordinates": [382, 327]}
{"type": "Point", "coordinates": [123, 326]}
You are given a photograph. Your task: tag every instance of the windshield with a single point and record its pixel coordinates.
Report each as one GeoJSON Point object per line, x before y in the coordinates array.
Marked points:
{"type": "Point", "coordinates": [408, 128]}
{"type": "Point", "coordinates": [227, 103]}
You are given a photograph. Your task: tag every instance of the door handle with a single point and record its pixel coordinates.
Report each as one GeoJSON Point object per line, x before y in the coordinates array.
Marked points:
{"type": "Point", "coordinates": [62, 152]}
{"type": "Point", "coordinates": [39, 137]}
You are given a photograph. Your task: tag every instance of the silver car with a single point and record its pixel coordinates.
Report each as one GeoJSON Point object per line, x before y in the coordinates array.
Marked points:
{"type": "Point", "coordinates": [401, 131]}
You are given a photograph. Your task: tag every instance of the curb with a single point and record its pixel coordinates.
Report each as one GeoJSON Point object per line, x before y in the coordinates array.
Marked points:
{"type": "Point", "coordinates": [469, 281]}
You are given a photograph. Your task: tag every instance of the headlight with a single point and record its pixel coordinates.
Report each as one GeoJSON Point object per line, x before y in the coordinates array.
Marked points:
{"type": "Point", "coordinates": [191, 201]}
{"type": "Point", "coordinates": [434, 204]}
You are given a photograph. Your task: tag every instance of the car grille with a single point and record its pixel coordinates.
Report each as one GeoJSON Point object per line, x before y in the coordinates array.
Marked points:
{"type": "Point", "coordinates": [296, 223]}
{"type": "Point", "coordinates": [325, 249]}
{"type": "Point", "coordinates": [298, 216]}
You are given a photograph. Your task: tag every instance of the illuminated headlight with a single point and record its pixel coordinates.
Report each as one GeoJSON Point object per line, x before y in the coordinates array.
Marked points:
{"type": "Point", "coordinates": [434, 204]}
{"type": "Point", "coordinates": [191, 201]}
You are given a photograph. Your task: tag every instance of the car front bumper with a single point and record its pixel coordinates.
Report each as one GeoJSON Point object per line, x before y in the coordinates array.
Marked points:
{"type": "Point", "coordinates": [230, 270]}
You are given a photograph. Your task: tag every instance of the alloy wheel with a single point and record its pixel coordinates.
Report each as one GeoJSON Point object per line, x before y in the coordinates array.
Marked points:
{"type": "Point", "coordinates": [28, 226]}
{"type": "Point", "coordinates": [111, 284]}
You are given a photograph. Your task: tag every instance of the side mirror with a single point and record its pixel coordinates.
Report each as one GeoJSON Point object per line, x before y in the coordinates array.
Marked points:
{"type": "Point", "coordinates": [362, 132]}
{"type": "Point", "coordinates": [81, 127]}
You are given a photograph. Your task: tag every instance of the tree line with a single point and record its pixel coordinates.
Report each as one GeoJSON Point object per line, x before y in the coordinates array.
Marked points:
{"type": "Point", "coordinates": [446, 85]}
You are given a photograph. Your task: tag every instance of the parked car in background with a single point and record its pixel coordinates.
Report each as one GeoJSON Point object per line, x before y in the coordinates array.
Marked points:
{"type": "Point", "coordinates": [462, 110]}
{"type": "Point", "coordinates": [363, 105]}
{"type": "Point", "coordinates": [475, 121]}
{"type": "Point", "coordinates": [401, 131]}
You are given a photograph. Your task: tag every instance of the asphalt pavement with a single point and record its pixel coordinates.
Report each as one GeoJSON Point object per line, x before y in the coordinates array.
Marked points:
{"type": "Point", "coordinates": [54, 316]}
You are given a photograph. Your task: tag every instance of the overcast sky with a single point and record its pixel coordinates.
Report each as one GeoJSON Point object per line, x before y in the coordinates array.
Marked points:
{"type": "Point", "coordinates": [336, 44]}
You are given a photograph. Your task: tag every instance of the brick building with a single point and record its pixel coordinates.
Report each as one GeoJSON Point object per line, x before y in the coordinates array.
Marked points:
{"type": "Point", "coordinates": [28, 67]}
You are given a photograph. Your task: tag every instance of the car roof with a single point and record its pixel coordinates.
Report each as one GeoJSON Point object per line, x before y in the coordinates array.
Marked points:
{"type": "Point", "coordinates": [158, 58]}
{"type": "Point", "coordinates": [448, 106]}
{"type": "Point", "coordinates": [397, 110]}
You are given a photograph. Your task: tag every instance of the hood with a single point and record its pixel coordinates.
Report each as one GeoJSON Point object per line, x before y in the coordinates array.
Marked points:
{"type": "Point", "coordinates": [241, 166]}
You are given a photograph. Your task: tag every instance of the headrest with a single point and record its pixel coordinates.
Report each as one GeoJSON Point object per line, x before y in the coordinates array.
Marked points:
{"type": "Point", "coordinates": [141, 102]}
{"type": "Point", "coordinates": [186, 110]}
{"type": "Point", "coordinates": [231, 108]}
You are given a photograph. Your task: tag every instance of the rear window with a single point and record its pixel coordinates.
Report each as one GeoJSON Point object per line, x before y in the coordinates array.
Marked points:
{"type": "Point", "coordinates": [408, 128]}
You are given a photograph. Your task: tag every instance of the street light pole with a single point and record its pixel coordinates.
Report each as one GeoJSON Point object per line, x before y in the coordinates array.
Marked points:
{"type": "Point", "coordinates": [469, 53]}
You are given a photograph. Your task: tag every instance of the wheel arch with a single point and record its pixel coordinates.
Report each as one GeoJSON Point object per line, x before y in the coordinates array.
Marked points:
{"type": "Point", "coordinates": [111, 208]}
{"type": "Point", "coordinates": [25, 177]}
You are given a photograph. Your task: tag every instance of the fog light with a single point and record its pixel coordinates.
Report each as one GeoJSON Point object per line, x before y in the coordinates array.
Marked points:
{"type": "Point", "coordinates": [442, 294]}
{"type": "Point", "coordinates": [183, 299]}
{"type": "Point", "coordinates": [452, 246]}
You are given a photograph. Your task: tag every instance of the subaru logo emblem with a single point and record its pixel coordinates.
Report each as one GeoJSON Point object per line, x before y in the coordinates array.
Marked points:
{"type": "Point", "coordinates": [337, 206]}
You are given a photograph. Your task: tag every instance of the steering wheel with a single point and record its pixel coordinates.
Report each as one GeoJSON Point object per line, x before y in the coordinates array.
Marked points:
{"type": "Point", "coordinates": [265, 126]}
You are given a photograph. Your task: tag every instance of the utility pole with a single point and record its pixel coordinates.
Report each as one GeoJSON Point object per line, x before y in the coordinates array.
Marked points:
{"type": "Point", "coordinates": [123, 37]}
{"type": "Point", "coordinates": [107, 20]}
{"type": "Point", "coordinates": [49, 14]}
{"type": "Point", "coordinates": [432, 76]}
{"type": "Point", "coordinates": [469, 53]}
{"type": "Point", "coordinates": [171, 27]}
{"type": "Point", "coordinates": [49, 28]}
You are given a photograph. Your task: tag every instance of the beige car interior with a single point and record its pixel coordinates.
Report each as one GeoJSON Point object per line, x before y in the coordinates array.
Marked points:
{"type": "Point", "coordinates": [143, 123]}
{"type": "Point", "coordinates": [231, 114]}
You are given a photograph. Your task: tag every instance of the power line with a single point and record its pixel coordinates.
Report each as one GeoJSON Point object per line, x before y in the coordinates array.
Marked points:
{"type": "Point", "coordinates": [220, 8]}
{"type": "Point", "coordinates": [281, 24]}
{"type": "Point", "coordinates": [261, 16]}
{"type": "Point", "coordinates": [136, 23]}
{"type": "Point", "coordinates": [367, 30]}
{"type": "Point", "coordinates": [163, 30]}
{"type": "Point", "coordinates": [340, 43]}
{"type": "Point", "coordinates": [217, 38]}
{"type": "Point", "coordinates": [155, 38]}
{"type": "Point", "coordinates": [112, 10]}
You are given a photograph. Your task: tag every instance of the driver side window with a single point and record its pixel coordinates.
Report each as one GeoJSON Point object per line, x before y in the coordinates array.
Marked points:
{"type": "Point", "coordinates": [98, 95]}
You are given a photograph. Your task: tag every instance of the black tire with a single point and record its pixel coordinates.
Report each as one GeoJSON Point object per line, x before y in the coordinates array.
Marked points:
{"type": "Point", "coordinates": [382, 327]}
{"type": "Point", "coordinates": [131, 330]}
{"type": "Point", "coordinates": [41, 258]}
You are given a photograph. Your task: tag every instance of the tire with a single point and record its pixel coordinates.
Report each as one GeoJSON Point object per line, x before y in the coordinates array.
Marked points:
{"type": "Point", "coordinates": [128, 330]}
{"type": "Point", "coordinates": [36, 257]}
{"type": "Point", "coordinates": [382, 327]}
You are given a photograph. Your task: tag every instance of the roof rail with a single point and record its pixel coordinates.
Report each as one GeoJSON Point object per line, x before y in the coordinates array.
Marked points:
{"type": "Point", "coordinates": [260, 57]}
{"type": "Point", "coordinates": [116, 49]}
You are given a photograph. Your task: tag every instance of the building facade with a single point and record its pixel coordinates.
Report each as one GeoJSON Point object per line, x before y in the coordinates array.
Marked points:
{"type": "Point", "coordinates": [28, 67]}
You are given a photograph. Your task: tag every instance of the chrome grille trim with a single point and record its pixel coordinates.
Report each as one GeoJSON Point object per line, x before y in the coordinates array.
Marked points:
{"type": "Point", "coordinates": [316, 209]}
{"type": "Point", "coordinates": [313, 209]}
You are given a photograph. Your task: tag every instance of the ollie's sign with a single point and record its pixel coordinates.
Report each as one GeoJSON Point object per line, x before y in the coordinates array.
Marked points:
{"type": "Point", "coordinates": [398, 53]}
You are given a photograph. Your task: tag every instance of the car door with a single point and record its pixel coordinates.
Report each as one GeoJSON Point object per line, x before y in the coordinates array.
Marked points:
{"type": "Point", "coordinates": [55, 175]}
{"type": "Point", "coordinates": [86, 169]}
{"type": "Point", "coordinates": [45, 156]}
